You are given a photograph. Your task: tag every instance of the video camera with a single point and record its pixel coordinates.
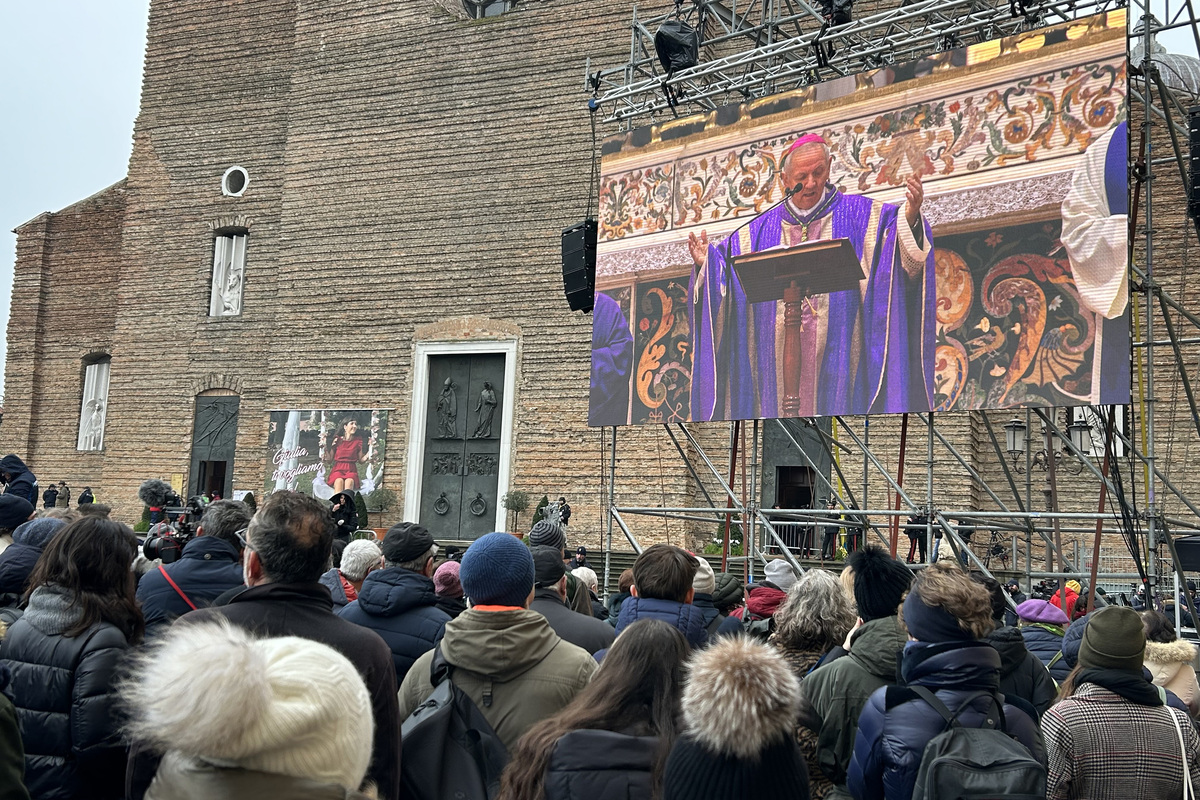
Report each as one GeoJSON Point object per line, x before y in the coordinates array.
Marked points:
{"type": "Point", "coordinates": [166, 540]}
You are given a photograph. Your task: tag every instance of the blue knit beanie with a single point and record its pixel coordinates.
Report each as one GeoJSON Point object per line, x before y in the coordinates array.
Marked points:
{"type": "Point", "coordinates": [497, 570]}
{"type": "Point", "coordinates": [38, 532]}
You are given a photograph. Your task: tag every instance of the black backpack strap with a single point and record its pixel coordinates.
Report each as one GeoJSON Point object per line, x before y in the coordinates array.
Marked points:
{"type": "Point", "coordinates": [950, 717]}
{"type": "Point", "coordinates": [439, 667]}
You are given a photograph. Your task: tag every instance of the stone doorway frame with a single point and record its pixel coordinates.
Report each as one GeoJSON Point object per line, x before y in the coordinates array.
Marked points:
{"type": "Point", "coordinates": [418, 417]}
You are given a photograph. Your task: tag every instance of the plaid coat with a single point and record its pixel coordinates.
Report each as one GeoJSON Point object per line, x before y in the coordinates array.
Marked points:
{"type": "Point", "coordinates": [1103, 747]}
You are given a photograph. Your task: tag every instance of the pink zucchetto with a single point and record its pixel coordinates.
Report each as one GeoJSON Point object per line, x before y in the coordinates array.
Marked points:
{"type": "Point", "coordinates": [808, 138]}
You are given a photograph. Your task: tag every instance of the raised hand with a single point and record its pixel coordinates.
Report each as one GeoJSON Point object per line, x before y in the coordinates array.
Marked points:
{"type": "Point", "coordinates": [913, 197]}
{"type": "Point", "coordinates": [698, 247]}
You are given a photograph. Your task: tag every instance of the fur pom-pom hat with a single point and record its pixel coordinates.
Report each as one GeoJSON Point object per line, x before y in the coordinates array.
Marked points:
{"type": "Point", "coordinates": [215, 693]}
{"type": "Point", "coordinates": [739, 712]}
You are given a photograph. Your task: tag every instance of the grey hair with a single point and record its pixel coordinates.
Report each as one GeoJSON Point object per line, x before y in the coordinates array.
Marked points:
{"type": "Point", "coordinates": [222, 520]}
{"type": "Point", "coordinates": [358, 558]}
{"type": "Point", "coordinates": [816, 613]}
{"type": "Point", "coordinates": [417, 564]}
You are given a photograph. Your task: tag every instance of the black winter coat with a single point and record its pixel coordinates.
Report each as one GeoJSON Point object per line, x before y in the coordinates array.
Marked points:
{"type": "Point", "coordinates": [601, 765]}
{"type": "Point", "coordinates": [207, 568]}
{"type": "Point", "coordinates": [1046, 645]}
{"type": "Point", "coordinates": [23, 482]}
{"type": "Point", "coordinates": [571, 626]}
{"type": "Point", "coordinates": [1010, 616]}
{"type": "Point", "coordinates": [64, 692]}
{"type": "Point", "coordinates": [1022, 674]}
{"type": "Point", "coordinates": [401, 606]}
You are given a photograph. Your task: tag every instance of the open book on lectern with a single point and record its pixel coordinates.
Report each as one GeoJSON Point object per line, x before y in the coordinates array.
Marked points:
{"type": "Point", "coordinates": [818, 267]}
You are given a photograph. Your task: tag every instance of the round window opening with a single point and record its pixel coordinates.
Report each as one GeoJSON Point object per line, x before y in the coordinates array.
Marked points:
{"type": "Point", "coordinates": [235, 181]}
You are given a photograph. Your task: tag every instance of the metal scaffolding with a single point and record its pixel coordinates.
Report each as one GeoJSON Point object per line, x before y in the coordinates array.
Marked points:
{"type": "Point", "coordinates": [791, 47]}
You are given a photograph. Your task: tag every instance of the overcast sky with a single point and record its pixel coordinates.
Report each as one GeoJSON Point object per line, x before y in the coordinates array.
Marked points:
{"type": "Point", "coordinates": [70, 79]}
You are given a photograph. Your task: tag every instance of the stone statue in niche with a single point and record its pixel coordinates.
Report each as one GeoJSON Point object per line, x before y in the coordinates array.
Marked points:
{"type": "Point", "coordinates": [486, 408]}
{"type": "Point", "coordinates": [94, 434]}
{"type": "Point", "coordinates": [231, 295]}
{"type": "Point", "coordinates": [447, 411]}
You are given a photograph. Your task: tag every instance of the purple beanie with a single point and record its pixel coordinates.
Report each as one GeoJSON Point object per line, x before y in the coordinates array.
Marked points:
{"type": "Point", "coordinates": [445, 580]}
{"type": "Point", "coordinates": [1042, 611]}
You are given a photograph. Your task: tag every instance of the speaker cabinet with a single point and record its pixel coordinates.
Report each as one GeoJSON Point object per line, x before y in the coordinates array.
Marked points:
{"type": "Point", "coordinates": [579, 264]}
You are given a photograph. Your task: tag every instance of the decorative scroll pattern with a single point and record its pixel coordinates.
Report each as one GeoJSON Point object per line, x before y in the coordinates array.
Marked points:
{"type": "Point", "coordinates": [662, 353]}
{"type": "Point", "coordinates": [1011, 330]}
{"type": "Point", "coordinates": [1044, 116]}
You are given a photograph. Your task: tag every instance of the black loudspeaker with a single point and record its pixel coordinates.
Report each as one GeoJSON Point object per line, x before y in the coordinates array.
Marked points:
{"type": "Point", "coordinates": [1188, 548]}
{"type": "Point", "coordinates": [579, 264]}
{"type": "Point", "coordinates": [677, 45]}
{"type": "Point", "coordinates": [1194, 162]}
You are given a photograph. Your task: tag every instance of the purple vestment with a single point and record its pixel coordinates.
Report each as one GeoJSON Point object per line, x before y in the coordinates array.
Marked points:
{"type": "Point", "coordinates": [879, 342]}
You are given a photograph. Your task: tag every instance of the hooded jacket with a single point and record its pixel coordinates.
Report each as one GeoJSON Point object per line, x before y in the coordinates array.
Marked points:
{"type": "Point", "coordinates": [332, 580]}
{"type": "Point", "coordinates": [64, 690]}
{"type": "Point", "coordinates": [1170, 667]}
{"type": "Point", "coordinates": [184, 779]}
{"type": "Point", "coordinates": [513, 656]}
{"type": "Point", "coordinates": [615, 601]}
{"type": "Point", "coordinates": [589, 633]}
{"type": "Point", "coordinates": [23, 483]}
{"type": "Point", "coordinates": [345, 518]}
{"type": "Point", "coordinates": [1022, 674]}
{"type": "Point", "coordinates": [401, 606]}
{"type": "Point", "coordinates": [601, 765]}
{"type": "Point", "coordinates": [896, 724]}
{"type": "Point", "coordinates": [833, 695]}
{"type": "Point", "coordinates": [18, 559]}
{"type": "Point", "coordinates": [207, 568]}
{"type": "Point", "coordinates": [762, 600]}
{"type": "Point", "coordinates": [1045, 641]}
{"type": "Point", "coordinates": [1068, 608]}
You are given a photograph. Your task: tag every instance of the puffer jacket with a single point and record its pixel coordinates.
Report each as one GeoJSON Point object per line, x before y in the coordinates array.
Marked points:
{"type": "Point", "coordinates": [601, 765]}
{"type": "Point", "coordinates": [704, 602]}
{"type": "Point", "coordinates": [401, 606]}
{"type": "Point", "coordinates": [896, 724]}
{"type": "Point", "coordinates": [685, 618]}
{"type": "Point", "coordinates": [332, 580]}
{"type": "Point", "coordinates": [1022, 674]}
{"type": "Point", "coordinates": [1045, 642]}
{"type": "Point", "coordinates": [65, 695]}
{"type": "Point", "coordinates": [833, 695]}
{"type": "Point", "coordinates": [23, 483]}
{"type": "Point", "coordinates": [1170, 667]}
{"type": "Point", "coordinates": [207, 568]}
{"type": "Point", "coordinates": [615, 601]}
{"type": "Point", "coordinates": [18, 559]}
{"type": "Point", "coordinates": [180, 778]}
{"type": "Point", "coordinates": [762, 600]}
{"type": "Point", "coordinates": [515, 657]}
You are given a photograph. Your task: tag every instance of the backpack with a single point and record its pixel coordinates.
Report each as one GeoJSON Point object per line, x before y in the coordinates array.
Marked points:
{"type": "Point", "coordinates": [976, 763]}
{"type": "Point", "coordinates": [756, 627]}
{"type": "Point", "coordinates": [448, 748]}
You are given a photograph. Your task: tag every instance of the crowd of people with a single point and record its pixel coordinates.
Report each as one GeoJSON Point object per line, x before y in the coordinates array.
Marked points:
{"type": "Point", "coordinates": [273, 660]}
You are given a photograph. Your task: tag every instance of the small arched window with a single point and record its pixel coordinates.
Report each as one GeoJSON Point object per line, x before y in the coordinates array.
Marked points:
{"type": "Point", "coordinates": [94, 408]}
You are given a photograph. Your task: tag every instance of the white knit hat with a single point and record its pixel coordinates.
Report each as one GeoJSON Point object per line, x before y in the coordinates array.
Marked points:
{"type": "Point", "coordinates": [290, 706]}
{"type": "Point", "coordinates": [705, 581]}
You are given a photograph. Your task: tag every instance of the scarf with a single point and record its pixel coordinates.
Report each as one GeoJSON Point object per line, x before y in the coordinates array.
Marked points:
{"type": "Point", "coordinates": [1133, 688]}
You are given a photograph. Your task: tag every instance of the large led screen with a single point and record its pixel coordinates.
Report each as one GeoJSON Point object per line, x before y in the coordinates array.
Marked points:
{"type": "Point", "coordinates": [321, 452]}
{"type": "Point", "coordinates": [947, 234]}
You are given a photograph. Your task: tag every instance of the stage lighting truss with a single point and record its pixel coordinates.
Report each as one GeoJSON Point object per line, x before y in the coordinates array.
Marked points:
{"type": "Point", "coordinates": [792, 47]}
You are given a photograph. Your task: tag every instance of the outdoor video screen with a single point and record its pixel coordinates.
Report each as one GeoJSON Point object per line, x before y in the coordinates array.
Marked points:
{"type": "Point", "coordinates": [947, 234]}
{"type": "Point", "coordinates": [321, 452]}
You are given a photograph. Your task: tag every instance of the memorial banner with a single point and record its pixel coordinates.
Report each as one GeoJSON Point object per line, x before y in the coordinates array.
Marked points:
{"type": "Point", "coordinates": [947, 234]}
{"type": "Point", "coordinates": [322, 452]}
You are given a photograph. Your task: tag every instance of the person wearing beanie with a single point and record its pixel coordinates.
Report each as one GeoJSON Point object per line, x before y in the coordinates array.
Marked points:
{"type": "Point", "coordinates": [947, 616]}
{"type": "Point", "coordinates": [17, 560]}
{"type": "Point", "coordinates": [241, 718]}
{"type": "Point", "coordinates": [1042, 626]}
{"type": "Point", "coordinates": [506, 657]}
{"type": "Point", "coordinates": [703, 586]}
{"type": "Point", "coordinates": [1113, 737]}
{"type": "Point", "coordinates": [398, 602]}
{"type": "Point", "coordinates": [1066, 604]}
{"type": "Point", "coordinates": [762, 600]}
{"type": "Point", "coordinates": [14, 510]}
{"type": "Point", "coordinates": [449, 589]}
{"type": "Point", "coordinates": [1022, 674]}
{"type": "Point", "coordinates": [546, 533]}
{"type": "Point", "coordinates": [550, 600]}
{"type": "Point", "coordinates": [1013, 589]}
{"type": "Point", "coordinates": [815, 618]}
{"type": "Point", "coordinates": [288, 545]}
{"type": "Point", "coordinates": [20, 482]}
{"type": "Point", "coordinates": [359, 559]}
{"type": "Point", "coordinates": [662, 589]}
{"type": "Point", "coordinates": [833, 695]}
{"type": "Point", "coordinates": [739, 712]}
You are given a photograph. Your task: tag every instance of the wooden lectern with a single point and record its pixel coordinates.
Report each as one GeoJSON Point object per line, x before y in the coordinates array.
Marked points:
{"type": "Point", "coordinates": [792, 274]}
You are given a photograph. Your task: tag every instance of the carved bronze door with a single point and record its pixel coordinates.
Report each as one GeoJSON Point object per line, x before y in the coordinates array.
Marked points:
{"type": "Point", "coordinates": [214, 438]}
{"type": "Point", "coordinates": [462, 445]}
